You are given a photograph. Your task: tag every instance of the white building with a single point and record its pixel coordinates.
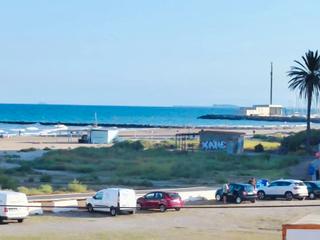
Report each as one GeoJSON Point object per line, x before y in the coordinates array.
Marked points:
{"type": "Point", "coordinates": [102, 135]}
{"type": "Point", "coordinates": [263, 110]}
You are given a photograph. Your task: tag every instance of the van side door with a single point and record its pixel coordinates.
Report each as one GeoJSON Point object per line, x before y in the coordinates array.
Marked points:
{"type": "Point", "coordinates": [98, 201]}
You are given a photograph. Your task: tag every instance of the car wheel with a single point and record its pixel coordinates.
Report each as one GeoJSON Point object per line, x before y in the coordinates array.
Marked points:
{"type": "Point", "coordinates": [177, 209]}
{"type": "Point", "coordinates": [218, 197]}
{"type": "Point", "coordinates": [238, 200]}
{"type": "Point", "coordinates": [139, 206]}
{"type": "Point", "coordinates": [288, 196]}
{"type": "Point", "coordinates": [301, 198]}
{"type": "Point", "coordinates": [20, 220]}
{"type": "Point", "coordinates": [312, 196]}
{"type": "Point", "coordinates": [113, 211]}
{"type": "Point", "coordinates": [261, 195]}
{"type": "Point", "coordinates": [162, 208]}
{"type": "Point", "coordinates": [90, 208]}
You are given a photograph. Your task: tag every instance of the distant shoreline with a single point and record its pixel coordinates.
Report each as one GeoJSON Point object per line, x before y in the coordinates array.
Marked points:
{"type": "Point", "coordinates": [291, 119]}
{"type": "Point", "coordinates": [128, 125]}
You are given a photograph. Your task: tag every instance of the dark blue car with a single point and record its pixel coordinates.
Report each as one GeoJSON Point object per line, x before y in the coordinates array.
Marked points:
{"type": "Point", "coordinates": [238, 192]}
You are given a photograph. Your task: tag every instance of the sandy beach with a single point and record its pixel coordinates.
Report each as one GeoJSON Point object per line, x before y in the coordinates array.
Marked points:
{"type": "Point", "coordinates": [16, 143]}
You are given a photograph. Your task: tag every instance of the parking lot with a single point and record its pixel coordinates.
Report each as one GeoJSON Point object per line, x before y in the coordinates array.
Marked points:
{"type": "Point", "coordinates": [262, 221]}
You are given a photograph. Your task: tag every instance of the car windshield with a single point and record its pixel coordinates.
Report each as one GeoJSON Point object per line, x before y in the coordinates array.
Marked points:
{"type": "Point", "coordinates": [249, 188]}
{"type": "Point", "coordinates": [174, 195]}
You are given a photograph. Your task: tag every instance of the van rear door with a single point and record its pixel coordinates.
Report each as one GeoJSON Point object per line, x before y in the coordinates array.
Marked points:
{"type": "Point", "coordinates": [127, 199]}
{"type": "Point", "coordinates": [17, 206]}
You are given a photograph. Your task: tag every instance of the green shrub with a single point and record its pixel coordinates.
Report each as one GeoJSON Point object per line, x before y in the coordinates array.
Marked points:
{"type": "Point", "coordinates": [7, 182]}
{"type": "Point", "coordinates": [46, 188]}
{"type": "Point", "coordinates": [30, 179]}
{"type": "Point", "coordinates": [43, 189]}
{"type": "Point", "coordinates": [258, 148]}
{"type": "Point", "coordinates": [24, 190]}
{"type": "Point", "coordinates": [45, 178]}
{"type": "Point", "coordinates": [76, 186]}
{"type": "Point", "coordinates": [135, 145]}
{"type": "Point", "coordinates": [297, 141]}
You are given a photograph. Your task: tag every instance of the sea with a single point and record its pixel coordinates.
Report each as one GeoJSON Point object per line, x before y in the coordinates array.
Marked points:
{"type": "Point", "coordinates": [137, 115]}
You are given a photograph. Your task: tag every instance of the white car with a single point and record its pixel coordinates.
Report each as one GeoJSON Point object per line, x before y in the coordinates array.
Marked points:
{"type": "Point", "coordinates": [13, 206]}
{"type": "Point", "coordinates": [284, 188]}
{"type": "Point", "coordinates": [113, 200]}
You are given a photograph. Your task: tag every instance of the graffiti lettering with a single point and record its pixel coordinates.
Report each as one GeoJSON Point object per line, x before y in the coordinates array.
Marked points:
{"type": "Point", "coordinates": [213, 145]}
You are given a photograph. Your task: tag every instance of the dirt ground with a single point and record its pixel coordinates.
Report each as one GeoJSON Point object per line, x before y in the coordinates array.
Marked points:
{"type": "Point", "coordinates": [189, 224]}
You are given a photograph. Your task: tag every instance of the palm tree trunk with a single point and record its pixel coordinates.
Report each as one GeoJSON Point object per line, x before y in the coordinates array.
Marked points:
{"type": "Point", "coordinates": [308, 146]}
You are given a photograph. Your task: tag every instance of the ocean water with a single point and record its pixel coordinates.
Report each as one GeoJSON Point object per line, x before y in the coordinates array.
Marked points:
{"type": "Point", "coordinates": [160, 116]}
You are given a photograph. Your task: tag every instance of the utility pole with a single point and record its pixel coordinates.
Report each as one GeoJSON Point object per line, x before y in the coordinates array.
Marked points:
{"type": "Point", "coordinates": [271, 76]}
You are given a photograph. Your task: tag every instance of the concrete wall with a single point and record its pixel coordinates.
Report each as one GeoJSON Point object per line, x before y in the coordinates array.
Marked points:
{"type": "Point", "coordinates": [232, 143]}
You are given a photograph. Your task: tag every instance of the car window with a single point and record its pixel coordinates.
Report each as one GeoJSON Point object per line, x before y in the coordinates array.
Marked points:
{"type": "Point", "coordinates": [284, 183]}
{"type": "Point", "coordinates": [149, 196]}
{"type": "Point", "coordinates": [317, 184]}
{"type": "Point", "coordinates": [174, 195]}
{"type": "Point", "coordinates": [98, 196]}
{"type": "Point", "coordinates": [308, 184]}
{"type": "Point", "coordinates": [231, 187]}
{"type": "Point", "coordinates": [236, 188]}
{"type": "Point", "coordinates": [158, 195]}
{"type": "Point", "coordinates": [299, 184]}
{"type": "Point", "coordinates": [249, 188]}
{"type": "Point", "coordinates": [274, 184]}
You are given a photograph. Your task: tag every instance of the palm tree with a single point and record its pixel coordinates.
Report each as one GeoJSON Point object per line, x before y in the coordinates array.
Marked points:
{"type": "Point", "coordinates": [305, 77]}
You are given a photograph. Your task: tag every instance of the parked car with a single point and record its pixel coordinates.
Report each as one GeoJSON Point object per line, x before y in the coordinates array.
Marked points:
{"type": "Point", "coordinates": [313, 189]}
{"type": "Point", "coordinates": [113, 200]}
{"type": "Point", "coordinates": [13, 212]}
{"type": "Point", "coordinates": [160, 200]}
{"type": "Point", "coordinates": [238, 192]}
{"type": "Point", "coordinates": [284, 188]}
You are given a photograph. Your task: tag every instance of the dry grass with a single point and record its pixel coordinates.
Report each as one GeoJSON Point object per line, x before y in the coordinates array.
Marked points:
{"type": "Point", "coordinates": [249, 144]}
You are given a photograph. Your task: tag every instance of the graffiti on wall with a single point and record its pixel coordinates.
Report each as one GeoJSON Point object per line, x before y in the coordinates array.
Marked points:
{"type": "Point", "coordinates": [213, 145]}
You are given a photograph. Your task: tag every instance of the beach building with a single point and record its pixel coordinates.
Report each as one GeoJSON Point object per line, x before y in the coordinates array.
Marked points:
{"type": "Point", "coordinates": [231, 142]}
{"type": "Point", "coordinates": [99, 136]}
{"type": "Point", "coordinates": [263, 110]}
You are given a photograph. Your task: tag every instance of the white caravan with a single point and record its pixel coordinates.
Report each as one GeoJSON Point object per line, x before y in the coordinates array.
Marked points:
{"type": "Point", "coordinates": [13, 206]}
{"type": "Point", "coordinates": [113, 200]}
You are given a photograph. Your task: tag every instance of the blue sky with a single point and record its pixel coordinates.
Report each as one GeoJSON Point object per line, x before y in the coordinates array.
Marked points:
{"type": "Point", "coordinates": [157, 53]}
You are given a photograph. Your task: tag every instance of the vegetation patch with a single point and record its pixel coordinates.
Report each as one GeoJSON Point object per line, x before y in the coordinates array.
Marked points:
{"type": "Point", "coordinates": [298, 140]}
{"type": "Point", "coordinates": [131, 163]}
{"type": "Point", "coordinates": [250, 144]}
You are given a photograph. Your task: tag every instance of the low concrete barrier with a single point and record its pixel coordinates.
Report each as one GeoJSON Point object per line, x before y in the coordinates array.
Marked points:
{"type": "Point", "coordinates": [35, 208]}
{"type": "Point", "coordinates": [71, 205]}
{"type": "Point", "coordinates": [197, 195]}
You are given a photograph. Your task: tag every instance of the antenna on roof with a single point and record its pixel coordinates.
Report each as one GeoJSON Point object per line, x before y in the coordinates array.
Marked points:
{"type": "Point", "coordinates": [271, 79]}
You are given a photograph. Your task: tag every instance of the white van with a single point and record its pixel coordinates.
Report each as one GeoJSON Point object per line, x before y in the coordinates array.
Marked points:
{"type": "Point", "coordinates": [10, 203]}
{"type": "Point", "coordinates": [113, 200]}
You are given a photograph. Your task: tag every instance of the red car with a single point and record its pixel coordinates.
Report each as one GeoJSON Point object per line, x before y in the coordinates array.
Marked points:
{"type": "Point", "coordinates": [160, 200]}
